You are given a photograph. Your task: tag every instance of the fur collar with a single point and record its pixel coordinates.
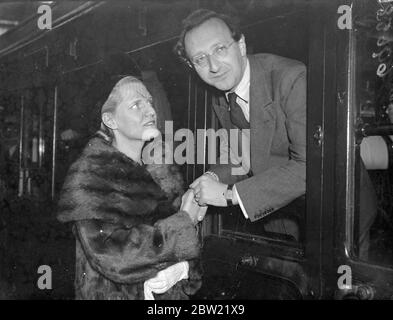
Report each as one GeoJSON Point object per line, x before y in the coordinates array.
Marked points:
{"type": "Point", "coordinates": [105, 184]}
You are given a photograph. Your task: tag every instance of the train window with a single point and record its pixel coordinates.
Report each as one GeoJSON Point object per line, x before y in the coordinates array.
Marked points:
{"type": "Point", "coordinates": [286, 224]}
{"type": "Point", "coordinates": [9, 150]}
{"type": "Point", "coordinates": [26, 142]}
{"type": "Point", "coordinates": [373, 219]}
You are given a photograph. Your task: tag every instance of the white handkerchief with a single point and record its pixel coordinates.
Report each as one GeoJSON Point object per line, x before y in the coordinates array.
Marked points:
{"type": "Point", "coordinates": [165, 279]}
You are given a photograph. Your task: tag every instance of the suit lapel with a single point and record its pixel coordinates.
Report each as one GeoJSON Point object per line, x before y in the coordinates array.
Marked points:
{"type": "Point", "coordinates": [261, 116]}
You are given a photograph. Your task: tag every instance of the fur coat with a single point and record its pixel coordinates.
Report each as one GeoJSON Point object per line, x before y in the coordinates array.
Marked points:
{"type": "Point", "coordinates": [126, 225]}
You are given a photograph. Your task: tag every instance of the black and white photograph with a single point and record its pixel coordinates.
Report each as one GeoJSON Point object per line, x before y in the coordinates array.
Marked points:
{"type": "Point", "coordinates": [209, 151]}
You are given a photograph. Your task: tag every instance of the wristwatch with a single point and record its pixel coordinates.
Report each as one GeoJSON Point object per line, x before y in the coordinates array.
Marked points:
{"type": "Point", "coordinates": [229, 195]}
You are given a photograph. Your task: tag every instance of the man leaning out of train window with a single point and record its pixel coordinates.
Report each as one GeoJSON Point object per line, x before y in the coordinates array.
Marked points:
{"type": "Point", "coordinates": [132, 241]}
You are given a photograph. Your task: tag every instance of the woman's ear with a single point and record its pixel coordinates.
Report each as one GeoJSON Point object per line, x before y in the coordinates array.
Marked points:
{"type": "Point", "coordinates": [108, 120]}
{"type": "Point", "coordinates": [242, 46]}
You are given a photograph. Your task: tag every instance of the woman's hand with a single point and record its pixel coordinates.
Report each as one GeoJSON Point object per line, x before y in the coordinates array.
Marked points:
{"type": "Point", "coordinates": [166, 279]}
{"type": "Point", "coordinates": [194, 210]}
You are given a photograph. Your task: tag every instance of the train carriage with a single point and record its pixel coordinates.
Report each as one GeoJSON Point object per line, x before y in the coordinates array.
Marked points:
{"type": "Point", "coordinates": [52, 79]}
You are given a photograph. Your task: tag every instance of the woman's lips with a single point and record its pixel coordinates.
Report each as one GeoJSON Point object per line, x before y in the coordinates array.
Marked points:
{"type": "Point", "coordinates": [150, 123]}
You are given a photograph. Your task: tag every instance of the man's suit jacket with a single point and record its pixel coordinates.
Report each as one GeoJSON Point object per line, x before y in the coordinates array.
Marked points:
{"type": "Point", "coordinates": [277, 136]}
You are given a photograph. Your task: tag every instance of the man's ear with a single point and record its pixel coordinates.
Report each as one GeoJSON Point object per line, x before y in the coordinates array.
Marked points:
{"type": "Point", "coordinates": [242, 46]}
{"type": "Point", "coordinates": [108, 120]}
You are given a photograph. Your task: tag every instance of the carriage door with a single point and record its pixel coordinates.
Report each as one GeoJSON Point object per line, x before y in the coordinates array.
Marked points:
{"type": "Point", "coordinates": [37, 112]}
{"type": "Point", "coordinates": [27, 108]}
{"type": "Point", "coordinates": [35, 143]}
{"type": "Point", "coordinates": [365, 214]}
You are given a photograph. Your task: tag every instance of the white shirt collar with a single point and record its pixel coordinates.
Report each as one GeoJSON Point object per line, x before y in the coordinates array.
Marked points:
{"type": "Point", "coordinates": [242, 90]}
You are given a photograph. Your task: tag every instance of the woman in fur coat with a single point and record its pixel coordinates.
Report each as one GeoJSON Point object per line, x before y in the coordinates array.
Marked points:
{"type": "Point", "coordinates": [131, 243]}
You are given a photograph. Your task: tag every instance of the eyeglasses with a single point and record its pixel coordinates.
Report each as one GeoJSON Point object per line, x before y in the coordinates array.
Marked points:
{"type": "Point", "coordinates": [219, 52]}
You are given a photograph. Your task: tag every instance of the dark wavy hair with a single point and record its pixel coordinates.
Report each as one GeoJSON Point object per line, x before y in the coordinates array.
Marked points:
{"type": "Point", "coordinates": [194, 20]}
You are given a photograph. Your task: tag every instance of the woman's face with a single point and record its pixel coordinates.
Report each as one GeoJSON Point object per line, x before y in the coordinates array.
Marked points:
{"type": "Point", "coordinates": [135, 117]}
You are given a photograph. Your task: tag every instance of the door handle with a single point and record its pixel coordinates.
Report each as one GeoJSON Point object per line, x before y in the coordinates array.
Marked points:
{"type": "Point", "coordinates": [357, 292]}
{"type": "Point", "coordinates": [318, 135]}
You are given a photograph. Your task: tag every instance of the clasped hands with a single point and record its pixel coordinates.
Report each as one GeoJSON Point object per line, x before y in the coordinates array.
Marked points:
{"type": "Point", "coordinates": [204, 191]}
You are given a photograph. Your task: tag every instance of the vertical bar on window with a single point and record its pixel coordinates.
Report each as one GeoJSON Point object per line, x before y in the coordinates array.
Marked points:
{"type": "Point", "coordinates": [21, 134]}
{"type": "Point", "coordinates": [195, 131]}
{"type": "Point", "coordinates": [54, 144]}
{"type": "Point", "coordinates": [350, 142]}
{"type": "Point", "coordinates": [217, 218]}
{"type": "Point", "coordinates": [188, 124]}
{"type": "Point", "coordinates": [40, 138]}
{"type": "Point", "coordinates": [204, 134]}
{"type": "Point", "coordinates": [205, 223]}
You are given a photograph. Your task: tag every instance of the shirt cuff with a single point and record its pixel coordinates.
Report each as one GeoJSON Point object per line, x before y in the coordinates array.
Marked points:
{"type": "Point", "coordinates": [236, 199]}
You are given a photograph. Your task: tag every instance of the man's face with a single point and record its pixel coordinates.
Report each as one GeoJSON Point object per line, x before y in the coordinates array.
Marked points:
{"type": "Point", "coordinates": [224, 73]}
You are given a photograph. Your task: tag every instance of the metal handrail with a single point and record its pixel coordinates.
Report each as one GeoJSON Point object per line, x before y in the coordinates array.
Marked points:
{"type": "Point", "coordinates": [368, 130]}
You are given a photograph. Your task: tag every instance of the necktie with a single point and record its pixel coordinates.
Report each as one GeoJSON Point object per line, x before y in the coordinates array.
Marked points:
{"type": "Point", "coordinates": [236, 113]}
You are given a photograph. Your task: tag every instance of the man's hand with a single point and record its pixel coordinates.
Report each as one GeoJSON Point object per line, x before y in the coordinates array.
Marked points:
{"type": "Point", "coordinates": [209, 191]}
{"type": "Point", "coordinates": [195, 211]}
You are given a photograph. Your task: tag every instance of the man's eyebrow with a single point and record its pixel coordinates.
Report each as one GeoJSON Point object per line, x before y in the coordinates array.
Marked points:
{"type": "Point", "coordinates": [212, 47]}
